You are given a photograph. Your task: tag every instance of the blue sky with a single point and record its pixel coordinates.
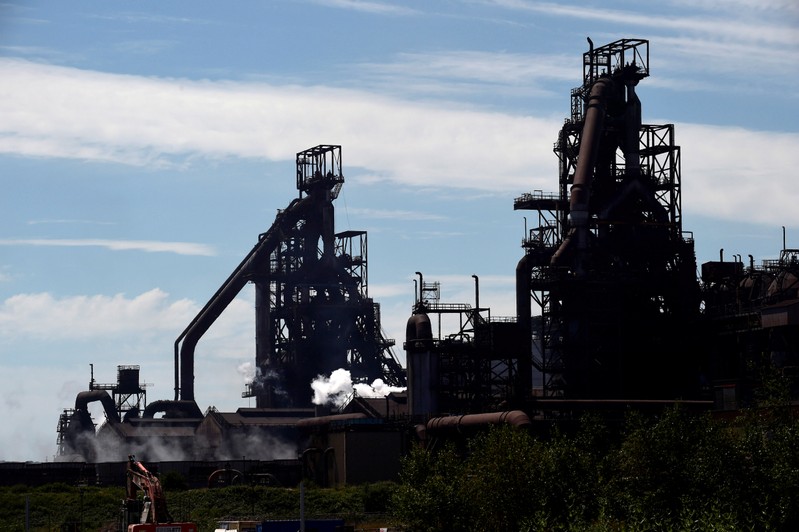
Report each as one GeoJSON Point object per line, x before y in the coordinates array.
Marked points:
{"type": "Point", "coordinates": [145, 145]}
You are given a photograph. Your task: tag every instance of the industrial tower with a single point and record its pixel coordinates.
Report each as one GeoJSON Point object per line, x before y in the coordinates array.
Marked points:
{"type": "Point", "coordinates": [608, 265]}
{"type": "Point", "coordinates": [313, 311]}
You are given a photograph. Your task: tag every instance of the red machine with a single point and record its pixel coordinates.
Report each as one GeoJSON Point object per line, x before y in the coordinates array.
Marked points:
{"type": "Point", "coordinates": [152, 513]}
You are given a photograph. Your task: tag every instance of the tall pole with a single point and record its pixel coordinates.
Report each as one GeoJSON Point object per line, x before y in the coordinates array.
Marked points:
{"type": "Point", "coordinates": [476, 293]}
{"type": "Point", "coordinates": [302, 506]}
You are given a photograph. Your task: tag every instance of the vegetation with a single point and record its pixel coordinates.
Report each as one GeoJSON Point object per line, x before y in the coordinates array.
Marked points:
{"type": "Point", "coordinates": [677, 471]}
{"type": "Point", "coordinates": [59, 506]}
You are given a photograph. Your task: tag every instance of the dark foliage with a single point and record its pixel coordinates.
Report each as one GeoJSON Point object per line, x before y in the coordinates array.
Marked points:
{"type": "Point", "coordinates": [675, 471]}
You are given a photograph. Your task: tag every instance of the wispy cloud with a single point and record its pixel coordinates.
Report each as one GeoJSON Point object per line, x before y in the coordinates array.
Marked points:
{"type": "Point", "coordinates": [68, 221]}
{"type": "Point", "coordinates": [139, 322]}
{"type": "Point", "coordinates": [150, 246]}
{"type": "Point", "coordinates": [92, 316]}
{"type": "Point", "coordinates": [718, 24]}
{"type": "Point", "coordinates": [732, 38]}
{"type": "Point", "coordinates": [64, 112]}
{"type": "Point", "coordinates": [395, 214]}
{"type": "Point", "coordinates": [141, 16]}
{"type": "Point", "coordinates": [717, 6]}
{"type": "Point", "coordinates": [380, 8]}
{"type": "Point", "coordinates": [470, 72]}
{"type": "Point", "coordinates": [144, 47]}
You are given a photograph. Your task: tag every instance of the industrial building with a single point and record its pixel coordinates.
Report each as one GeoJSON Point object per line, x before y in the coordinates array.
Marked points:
{"type": "Point", "coordinates": [610, 314]}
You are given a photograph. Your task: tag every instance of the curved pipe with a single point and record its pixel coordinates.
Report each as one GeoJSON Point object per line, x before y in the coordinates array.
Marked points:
{"type": "Point", "coordinates": [309, 459]}
{"type": "Point", "coordinates": [83, 399]}
{"type": "Point", "coordinates": [418, 332]}
{"type": "Point", "coordinates": [173, 409]}
{"type": "Point", "coordinates": [589, 148]}
{"type": "Point", "coordinates": [184, 353]}
{"type": "Point", "coordinates": [421, 433]}
{"type": "Point", "coordinates": [232, 476]}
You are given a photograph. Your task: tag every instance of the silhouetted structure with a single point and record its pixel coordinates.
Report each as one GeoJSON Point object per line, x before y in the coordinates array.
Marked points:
{"type": "Point", "coordinates": [609, 314]}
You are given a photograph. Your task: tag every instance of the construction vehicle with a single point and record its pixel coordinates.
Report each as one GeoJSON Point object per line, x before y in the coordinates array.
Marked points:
{"type": "Point", "coordinates": [150, 511]}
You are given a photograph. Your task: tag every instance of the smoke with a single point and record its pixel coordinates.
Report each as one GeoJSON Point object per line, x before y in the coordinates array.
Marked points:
{"type": "Point", "coordinates": [150, 444]}
{"type": "Point", "coordinates": [247, 371]}
{"type": "Point", "coordinates": [259, 380]}
{"type": "Point", "coordinates": [338, 389]}
{"type": "Point", "coordinates": [335, 390]}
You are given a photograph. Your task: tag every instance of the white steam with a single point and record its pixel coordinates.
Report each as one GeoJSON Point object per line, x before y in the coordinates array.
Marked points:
{"type": "Point", "coordinates": [337, 389]}
{"type": "Point", "coordinates": [247, 370]}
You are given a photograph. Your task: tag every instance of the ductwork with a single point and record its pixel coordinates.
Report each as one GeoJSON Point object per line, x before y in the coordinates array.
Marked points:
{"type": "Point", "coordinates": [448, 424]}
{"type": "Point", "coordinates": [323, 421]}
{"type": "Point", "coordinates": [590, 138]}
{"type": "Point", "coordinates": [84, 398]}
{"type": "Point", "coordinates": [173, 409]}
{"type": "Point", "coordinates": [187, 341]}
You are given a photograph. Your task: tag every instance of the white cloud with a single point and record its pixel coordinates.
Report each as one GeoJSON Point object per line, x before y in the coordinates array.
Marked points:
{"type": "Point", "coordinates": [141, 121]}
{"type": "Point", "coordinates": [150, 319]}
{"type": "Point", "coordinates": [731, 172]}
{"type": "Point", "coordinates": [379, 8]}
{"type": "Point", "coordinates": [725, 23]}
{"type": "Point", "coordinates": [472, 72]}
{"type": "Point", "coordinates": [395, 214]}
{"type": "Point", "coordinates": [738, 39]}
{"type": "Point", "coordinates": [151, 246]}
{"type": "Point", "coordinates": [44, 316]}
{"type": "Point", "coordinates": [66, 112]}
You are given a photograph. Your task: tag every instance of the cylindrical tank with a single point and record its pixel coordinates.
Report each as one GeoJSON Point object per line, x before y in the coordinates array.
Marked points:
{"type": "Point", "coordinates": [128, 379]}
{"type": "Point", "coordinates": [423, 366]}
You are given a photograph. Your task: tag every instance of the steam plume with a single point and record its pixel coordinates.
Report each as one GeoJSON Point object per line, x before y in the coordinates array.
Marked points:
{"type": "Point", "coordinates": [337, 389]}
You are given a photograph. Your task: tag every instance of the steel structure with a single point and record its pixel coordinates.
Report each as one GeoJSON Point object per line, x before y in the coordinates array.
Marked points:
{"type": "Point", "coordinates": [313, 310]}
{"type": "Point", "coordinates": [751, 318]}
{"type": "Point", "coordinates": [608, 264]}
{"type": "Point", "coordinates": [313, 314]}
{"type": "Point", "coordinates": [610, 314]}
{"type": "Point", "coordinates": [129, 395]}
{"type": "Point", "coordinates": [479, 366]}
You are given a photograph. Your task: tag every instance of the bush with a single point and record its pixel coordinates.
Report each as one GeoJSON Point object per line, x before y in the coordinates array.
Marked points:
{"type": "Point", "coordinates": [674, 471]}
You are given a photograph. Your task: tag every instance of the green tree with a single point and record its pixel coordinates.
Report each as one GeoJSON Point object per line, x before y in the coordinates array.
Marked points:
{"type": "Point", "coordinates": [428, 497]}
{"type": "Point", "coordinates": [499, 480]}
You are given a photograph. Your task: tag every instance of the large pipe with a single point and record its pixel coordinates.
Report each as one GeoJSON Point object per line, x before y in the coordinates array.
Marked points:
{"type": "Point", "coordinates": [326, 421]}
{"type": "Point", "coordinates": [589, 148]}
{"type": "Point", "coordinates": [476, 292]}
{"type": "Point", "coordinates": [83, 399]}
{"type": "Point", "coordinates": [184, 352]}
{"type": "Point", "coordinates": [516, 418]}
{"type": "Point", "coordinates": [173, 409]}
{"type": "Point", "coordinates": [524, 319]}
{"type": "Point", "coordinates": [524, 311]}
{"type": "Point", "coordinates": [632, 126]}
